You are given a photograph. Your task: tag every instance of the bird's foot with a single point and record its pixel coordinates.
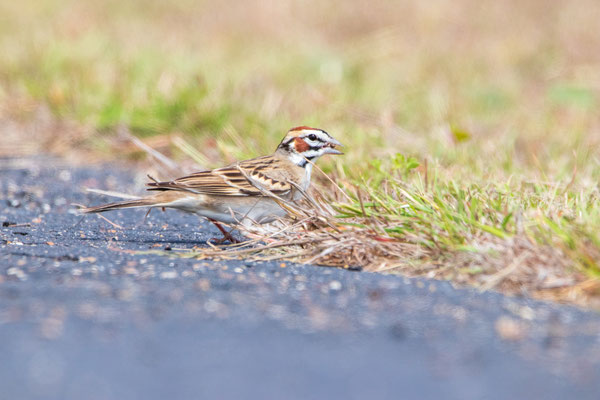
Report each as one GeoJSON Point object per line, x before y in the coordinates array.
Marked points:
{"type": "Point", "coordinates": [227, 236]}
{"type": "Point", "coordinates": [224, 239]}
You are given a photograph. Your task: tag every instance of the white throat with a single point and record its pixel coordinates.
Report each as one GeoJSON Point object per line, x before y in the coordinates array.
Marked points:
{"type": "Point", "coordinates": [299, 160]}
{"type": "Point", "coordinates": [296, 158]}
{"type": "Point", "coordinates": [308, 170]}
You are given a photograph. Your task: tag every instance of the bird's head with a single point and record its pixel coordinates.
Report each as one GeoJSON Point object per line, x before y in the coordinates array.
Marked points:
{"type": "Point", "coordinates": [304, 143]}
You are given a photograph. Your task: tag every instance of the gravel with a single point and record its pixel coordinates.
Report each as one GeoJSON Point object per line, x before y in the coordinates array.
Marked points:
{"type": "Point", "coordinates": [90, 310]}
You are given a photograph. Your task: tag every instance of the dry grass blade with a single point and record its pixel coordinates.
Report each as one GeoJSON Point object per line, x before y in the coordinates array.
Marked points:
{"type": "Point", "coordinates": [331, 181]}
{"type": "Point", "coordinates": [111, 193]}
{"type": "Point", "coordinates": [493, 280]}
{"type": "Point", "coordinates": [285, 204]}
{"type": "Point", "coordinates": [114, 224]}
{"type": "Point", "coordinates": [171, 165]}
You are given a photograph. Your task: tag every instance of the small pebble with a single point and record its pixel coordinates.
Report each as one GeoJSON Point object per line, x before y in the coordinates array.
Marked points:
{"type": "Point", "coordinates": [17, 273]}
{"type": "Point", "coordinates": [168, 275]}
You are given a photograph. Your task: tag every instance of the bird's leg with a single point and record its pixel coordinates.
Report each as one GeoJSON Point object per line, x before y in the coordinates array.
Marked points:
{"type": "Point", "coordinates": [145, 217]}
{"type": "Point", "coordinates": [226, 235]}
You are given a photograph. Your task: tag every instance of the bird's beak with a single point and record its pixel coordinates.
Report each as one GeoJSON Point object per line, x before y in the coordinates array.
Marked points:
{"type": "Point", "coordinates": [330, 147]}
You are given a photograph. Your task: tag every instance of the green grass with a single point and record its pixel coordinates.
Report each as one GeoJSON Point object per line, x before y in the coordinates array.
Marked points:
{"type": "Point", "coordinates": [470, 129]}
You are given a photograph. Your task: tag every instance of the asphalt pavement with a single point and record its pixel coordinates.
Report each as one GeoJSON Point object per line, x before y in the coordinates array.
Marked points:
{"type": "Point", "coordinates": [91, 311]}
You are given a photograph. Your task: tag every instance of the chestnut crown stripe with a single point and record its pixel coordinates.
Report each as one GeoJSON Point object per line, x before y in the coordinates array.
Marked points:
{"type": "Point", "coordinates": [304, 127]}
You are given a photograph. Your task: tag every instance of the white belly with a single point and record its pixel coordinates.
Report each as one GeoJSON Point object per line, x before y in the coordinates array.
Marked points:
{"type": "Point", "coordinates": [262, 212]}
{"type": "Point", "coordinates": [243, 210]}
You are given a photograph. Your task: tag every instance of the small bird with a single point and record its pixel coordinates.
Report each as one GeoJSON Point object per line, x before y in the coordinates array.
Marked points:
{"type": "Point", "coordinates": [243, 192]}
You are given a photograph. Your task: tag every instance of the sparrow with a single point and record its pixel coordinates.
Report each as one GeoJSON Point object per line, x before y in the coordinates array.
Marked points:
{"type": "Point", "coordinates": [244, 192]}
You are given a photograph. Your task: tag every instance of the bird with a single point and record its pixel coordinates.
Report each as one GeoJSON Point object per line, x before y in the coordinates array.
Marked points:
{"type": "Point", "coordinates": [245, 192]}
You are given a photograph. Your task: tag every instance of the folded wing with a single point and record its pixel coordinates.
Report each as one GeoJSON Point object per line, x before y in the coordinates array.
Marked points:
{"type": "Point", "coordinates": [230, 180]}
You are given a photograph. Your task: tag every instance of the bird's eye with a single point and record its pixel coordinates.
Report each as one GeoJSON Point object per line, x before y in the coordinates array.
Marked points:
{"type": "Point", "coordinates": [312, 136]}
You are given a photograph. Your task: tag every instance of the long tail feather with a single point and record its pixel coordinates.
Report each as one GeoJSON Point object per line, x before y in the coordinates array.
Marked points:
{"type": "Point", "coordinates": [117, 205]}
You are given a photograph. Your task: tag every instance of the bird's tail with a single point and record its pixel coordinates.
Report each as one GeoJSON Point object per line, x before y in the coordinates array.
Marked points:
{"type": "Point", "coordinates": [144, 202]}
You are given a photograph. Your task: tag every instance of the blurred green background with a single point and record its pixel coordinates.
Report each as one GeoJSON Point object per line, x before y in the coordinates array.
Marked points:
{"type": "Point", "coordinates": [486, 85]}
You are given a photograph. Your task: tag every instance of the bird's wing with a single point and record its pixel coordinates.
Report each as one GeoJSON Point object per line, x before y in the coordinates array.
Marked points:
{"type": "Point", "coordinates": [239, 179]}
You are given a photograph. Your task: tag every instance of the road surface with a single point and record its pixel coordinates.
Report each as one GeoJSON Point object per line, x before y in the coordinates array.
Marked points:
{"type": "Point", "coordinates": [87, 311]}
